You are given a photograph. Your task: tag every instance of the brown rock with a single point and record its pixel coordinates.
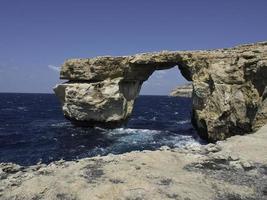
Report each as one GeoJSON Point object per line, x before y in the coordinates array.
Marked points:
{"type": "Point", "coordinates": [229, 87]}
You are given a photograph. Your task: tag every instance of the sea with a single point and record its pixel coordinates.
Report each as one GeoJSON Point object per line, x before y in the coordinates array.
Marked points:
{"type": "Point", "coordinates": [34, 130]}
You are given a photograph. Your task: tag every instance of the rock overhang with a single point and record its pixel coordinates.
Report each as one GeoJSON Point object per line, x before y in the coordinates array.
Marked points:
{"type": "Point", "coordinates": [229, 87]}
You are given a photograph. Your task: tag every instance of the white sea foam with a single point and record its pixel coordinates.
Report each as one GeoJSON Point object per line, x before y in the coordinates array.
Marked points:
{"type": "Point", "coordinates": [127, 137]}
{"type": "Point", "coordinates": [186, 140]}
{"type": "Point", "coordinates": [22, 108]}
{"type": "Point", "coordinates": [99, 128]}
{"type": "Point", "coordinates": [187, 121]}
{"type": "Point", "coordinates": [154, 119]}
{"type": "Point", "coordinates": [141, 118]}
{"type": "Point", "coordinates": [124, 131]}
{"type": "Point", "coordinates": [61, 124]}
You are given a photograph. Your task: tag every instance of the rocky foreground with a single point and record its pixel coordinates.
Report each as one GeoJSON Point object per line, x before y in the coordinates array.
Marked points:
{"type": "Point", "coordinates": [234, 169]}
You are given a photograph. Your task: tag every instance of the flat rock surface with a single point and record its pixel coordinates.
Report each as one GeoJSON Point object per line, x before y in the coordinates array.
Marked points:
{"type": "Point", "coordinates": [233, 169]}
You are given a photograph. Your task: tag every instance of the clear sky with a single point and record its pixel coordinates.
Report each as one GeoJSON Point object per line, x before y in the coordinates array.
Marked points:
{"type": "Point", "coordinates": [36, 36]}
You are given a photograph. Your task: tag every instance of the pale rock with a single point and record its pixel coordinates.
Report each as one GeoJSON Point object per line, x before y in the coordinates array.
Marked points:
{"type": "Point", "coordinates": [229, 88]}
{"type": "Point", "coordinates": [182, 91]}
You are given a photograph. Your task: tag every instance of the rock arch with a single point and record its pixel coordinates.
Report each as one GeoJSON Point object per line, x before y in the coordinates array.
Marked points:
{"type": "Point", "coordinates": [229, 87]}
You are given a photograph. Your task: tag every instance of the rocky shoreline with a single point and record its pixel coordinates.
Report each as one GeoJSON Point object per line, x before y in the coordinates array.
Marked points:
{"type": "Point", "coordinates": [231, 169]}
{"type": "Point", "coordinates": [228, 100]}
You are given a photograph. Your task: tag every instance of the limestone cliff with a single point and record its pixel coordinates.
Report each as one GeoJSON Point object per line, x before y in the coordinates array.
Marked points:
{"type": "Point", "coordinates": [229, 87]}
{"type": "Point", "coordinates": [182, 91]}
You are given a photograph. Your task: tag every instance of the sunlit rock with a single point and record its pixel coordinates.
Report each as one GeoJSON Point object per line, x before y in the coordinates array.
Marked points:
{"type": "Point", "coordinates": [182, 91]}
{"type": "Point", "coordinates": [229, 87]}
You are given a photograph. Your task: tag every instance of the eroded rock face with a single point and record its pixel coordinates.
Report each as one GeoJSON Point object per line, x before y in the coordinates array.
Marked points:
{"type": "Point", "coordinates": [182, 91]}
{"type": "Point", "coordinates": [104, 103]}
{"type": "Point", "coordinates": [229, 87]}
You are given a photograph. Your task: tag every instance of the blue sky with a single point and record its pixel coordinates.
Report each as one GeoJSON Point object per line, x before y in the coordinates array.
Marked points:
{"type": "Point", "coordinates": [36, 36]}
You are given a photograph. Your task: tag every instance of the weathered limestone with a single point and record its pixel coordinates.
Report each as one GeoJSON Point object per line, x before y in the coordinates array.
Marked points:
{"type": "Point", "coordinates": [229, 87]}
{"type": "Point", "coordinates": [182, 91]}
{"type": "Point", "coordinates": [233, 169]}
{"type": "Point", "coordinates": [102, 103]}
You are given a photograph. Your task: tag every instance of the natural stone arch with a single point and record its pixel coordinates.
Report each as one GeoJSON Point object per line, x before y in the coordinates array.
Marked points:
{"type": "Point", "coordinates": [229, 87]}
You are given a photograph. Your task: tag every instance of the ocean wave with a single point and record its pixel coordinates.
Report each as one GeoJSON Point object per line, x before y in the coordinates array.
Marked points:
{"type": "Point", "coordinates": [141, 118]}
{"type": "Point", "coordinates": [153, 119]}
{"type": "Point", "coordinates": [7, 109]}
{"type": "Point", "coordinates": [23, 108]}
{"type": "Point", "coordinates": [127, 139]}
{"type": "Point", "coordinates": [43, 132]}
{"type": "Point", "coordinates": [185, 140]}
{"type": "Point", "coordinates": [100, 129]}
{"type": "Point", "coordinates": [133, 131]}
{"type": "Point", "coordinates": [20, 108]}
{"type": "Point", "coordinates": [187, 121]}
{"type": "Point", "coordinates": [61, 124]}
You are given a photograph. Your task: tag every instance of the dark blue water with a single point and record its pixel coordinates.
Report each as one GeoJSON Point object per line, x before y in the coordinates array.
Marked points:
{"type": "Point", "coordinates": [33, 129]}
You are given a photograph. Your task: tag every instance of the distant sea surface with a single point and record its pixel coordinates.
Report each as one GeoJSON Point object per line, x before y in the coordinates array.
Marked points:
{"type": "Point", "coordinates": [33, 129]}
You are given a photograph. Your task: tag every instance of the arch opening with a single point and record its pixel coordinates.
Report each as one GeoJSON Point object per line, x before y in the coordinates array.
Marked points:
{"type": "Point", "coordinates": [162, 82]}
{"type": "Point", "coordinates": [155, 109]}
